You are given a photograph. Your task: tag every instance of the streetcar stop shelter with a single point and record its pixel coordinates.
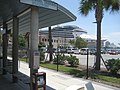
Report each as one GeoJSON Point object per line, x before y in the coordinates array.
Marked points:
{"type": "Point", "coordinates": [21, 16]}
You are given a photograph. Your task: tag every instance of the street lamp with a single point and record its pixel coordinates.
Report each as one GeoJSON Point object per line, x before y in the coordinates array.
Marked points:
{"type": "Point", "coordinates": [94, 22]}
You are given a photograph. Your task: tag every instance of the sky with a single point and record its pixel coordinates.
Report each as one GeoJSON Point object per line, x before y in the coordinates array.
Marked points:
{"type": "Point", "coordinates": [110, 24]}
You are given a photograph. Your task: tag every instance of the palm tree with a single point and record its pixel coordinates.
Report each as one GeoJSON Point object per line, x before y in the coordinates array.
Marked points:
{"type": "Point", "coordinates": [99, 6]}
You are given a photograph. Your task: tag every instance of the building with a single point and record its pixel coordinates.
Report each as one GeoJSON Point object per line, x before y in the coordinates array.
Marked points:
{"type": "Point", "coordinates": [92, 40]}
{"type": "Point", "coordinates": [61, 35]}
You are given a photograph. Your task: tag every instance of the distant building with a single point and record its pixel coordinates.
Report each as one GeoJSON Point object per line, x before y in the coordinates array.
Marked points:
{"type": "Point", "coordinates": [92, 40]}
{"type": "Point", "coordinates": [111, 46]}
{"type": "Point", "coordinates": [107, 44]}
{"type": "Point", "coordinates": [61, 35]}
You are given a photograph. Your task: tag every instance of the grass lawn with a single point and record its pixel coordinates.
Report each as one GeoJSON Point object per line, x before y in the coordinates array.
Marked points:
{"type": "Point", "coordinates": [80, 73]}
{"type": "Point", "coordinates": [109, 79]}
{"type": "Point", "coordinates": [69, 70]}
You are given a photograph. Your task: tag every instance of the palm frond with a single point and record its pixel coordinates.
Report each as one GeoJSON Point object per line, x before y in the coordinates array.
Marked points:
{"type": "Point", "coordinates": [86, 6]}
{"type": "Point", "coordinates": [106, 4]}
{"type": "Point", "coordinates": [113, 5]}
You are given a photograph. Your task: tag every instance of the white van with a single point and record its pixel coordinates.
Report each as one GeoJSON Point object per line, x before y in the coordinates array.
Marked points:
{"type": "Point", "coordinates": [83, 51]}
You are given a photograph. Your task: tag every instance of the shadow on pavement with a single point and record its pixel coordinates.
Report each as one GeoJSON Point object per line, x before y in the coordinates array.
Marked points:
{"type": "Point", "coordinates": [23, 82]}
{"type": "Point", "coordinates": [6, 84]}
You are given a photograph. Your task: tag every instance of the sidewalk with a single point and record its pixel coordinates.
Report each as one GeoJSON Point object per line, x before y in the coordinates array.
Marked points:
{"type": "Point", "coordinates": [59, 81]}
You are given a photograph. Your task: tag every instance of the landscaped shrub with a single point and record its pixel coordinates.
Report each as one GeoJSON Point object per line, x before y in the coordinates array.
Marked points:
{"type": "Point", "coordinates": [113, 65]}
{"type": "Point", "coordinates": [42, 56]}
{"type": "Point", "coordinates": [72, 60]}
{"type": "Point", "coordinates": [61, 59]}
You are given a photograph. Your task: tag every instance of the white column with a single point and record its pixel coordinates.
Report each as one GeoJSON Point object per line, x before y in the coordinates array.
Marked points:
{"type": "Point", "coordinates": [34, 33]}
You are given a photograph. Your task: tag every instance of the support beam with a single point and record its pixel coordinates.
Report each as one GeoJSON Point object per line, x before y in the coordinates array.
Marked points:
{"type": "Point", "coordinates": [15, 49]}
{"type": "Point", "coordinates": [34, 38]}
{"type": "Point", "coordinates": [5, 44]}
{"type": "Point", "coordinates": [50, 45]}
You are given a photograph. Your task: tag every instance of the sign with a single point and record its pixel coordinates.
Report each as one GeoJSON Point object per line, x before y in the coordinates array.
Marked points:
{"type": "Point", "coordinates": [41, 3]}
{"type": "Point", "coordinates": [36, 59]}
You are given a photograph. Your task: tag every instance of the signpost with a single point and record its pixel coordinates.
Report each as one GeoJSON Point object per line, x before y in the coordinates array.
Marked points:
{"type": "Point", "coordinates": [41, 3]}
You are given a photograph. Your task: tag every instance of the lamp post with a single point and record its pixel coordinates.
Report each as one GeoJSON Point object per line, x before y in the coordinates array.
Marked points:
{"type": "Point", "coordinates": [87, 64]}
{"type": "Point", "coordinates": [57, 59]}
{"type": "Point", "coordinates": [57, 55]}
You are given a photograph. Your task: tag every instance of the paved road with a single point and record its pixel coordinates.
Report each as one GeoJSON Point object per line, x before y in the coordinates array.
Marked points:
{"type": "Point", "coordinates": [83, 58]}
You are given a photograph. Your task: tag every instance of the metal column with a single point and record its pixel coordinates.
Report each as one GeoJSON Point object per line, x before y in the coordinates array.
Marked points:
{"type": "Point", "coordinates": [50, 45]}
{"type": "Point", "coordinates": [5, 43]}
{"type": "Point", "coordinates": [15, 49]}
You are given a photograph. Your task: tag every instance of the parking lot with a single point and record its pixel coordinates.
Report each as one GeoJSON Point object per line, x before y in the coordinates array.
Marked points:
{"type": "Point", "coordinates": [92, 58]}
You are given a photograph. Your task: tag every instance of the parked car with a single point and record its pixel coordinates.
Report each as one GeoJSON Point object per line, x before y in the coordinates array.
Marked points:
{"type": "Point", "coordinates": [69, 50]}
{"type": "Point", "coordinates": [73, 50]}
{"type": "Point", "coordinates": [103, 52]}
{"type": "Point", "coordinates": [92, 51]}
{"type": "Point", "coordinates": [76, 51]}
{"type": "Point", "coordinates": [118, 51]}
{"type": "Point", "coordinates": [53, 50]}
{"type": "Point", "coordinates": [83, 51]}
{"type": "Point", "coordinates": [63, 50]}
{"type": "Point", "coordinates": [113, 53]}
{"type": "Point", "coordinates": [43, 49]}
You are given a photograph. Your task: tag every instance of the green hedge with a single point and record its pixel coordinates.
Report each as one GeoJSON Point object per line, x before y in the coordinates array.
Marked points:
{"type": "Point", "coordinates": [113, 65]}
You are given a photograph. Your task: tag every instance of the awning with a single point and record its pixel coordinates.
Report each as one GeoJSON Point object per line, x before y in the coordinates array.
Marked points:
{"type": "Point", "coordinates": [47, 17]}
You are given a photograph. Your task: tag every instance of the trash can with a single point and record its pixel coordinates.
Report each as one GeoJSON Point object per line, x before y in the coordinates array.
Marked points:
{"type": "Point", "coordinates": [39, 81]}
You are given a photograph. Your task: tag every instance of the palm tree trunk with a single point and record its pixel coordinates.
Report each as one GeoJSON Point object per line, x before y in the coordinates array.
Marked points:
{"type": "Point", "coordinates": [98, 54]}
{"type": "Point", "coordinates": [98, 16]}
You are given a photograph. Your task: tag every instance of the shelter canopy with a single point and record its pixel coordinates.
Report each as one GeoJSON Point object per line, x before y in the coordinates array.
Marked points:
{"type": "Point", "coordinates": [47, 17]}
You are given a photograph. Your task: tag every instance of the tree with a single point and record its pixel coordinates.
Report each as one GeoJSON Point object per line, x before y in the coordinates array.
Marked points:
{"type": "Point", "coordinates": [21, 41]}
{"type": "Point", "coordinates": [72, 42]}
{"type": "Point", "coordinates": [41, 45]}
{"type": "Point", "coordinates": [79, 42]}
{"type": "Point", "coordinates": [99, 6]}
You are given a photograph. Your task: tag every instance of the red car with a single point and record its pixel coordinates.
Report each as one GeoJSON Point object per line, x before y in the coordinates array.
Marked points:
{"type": "Point", "coordinates": [113, 53]}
